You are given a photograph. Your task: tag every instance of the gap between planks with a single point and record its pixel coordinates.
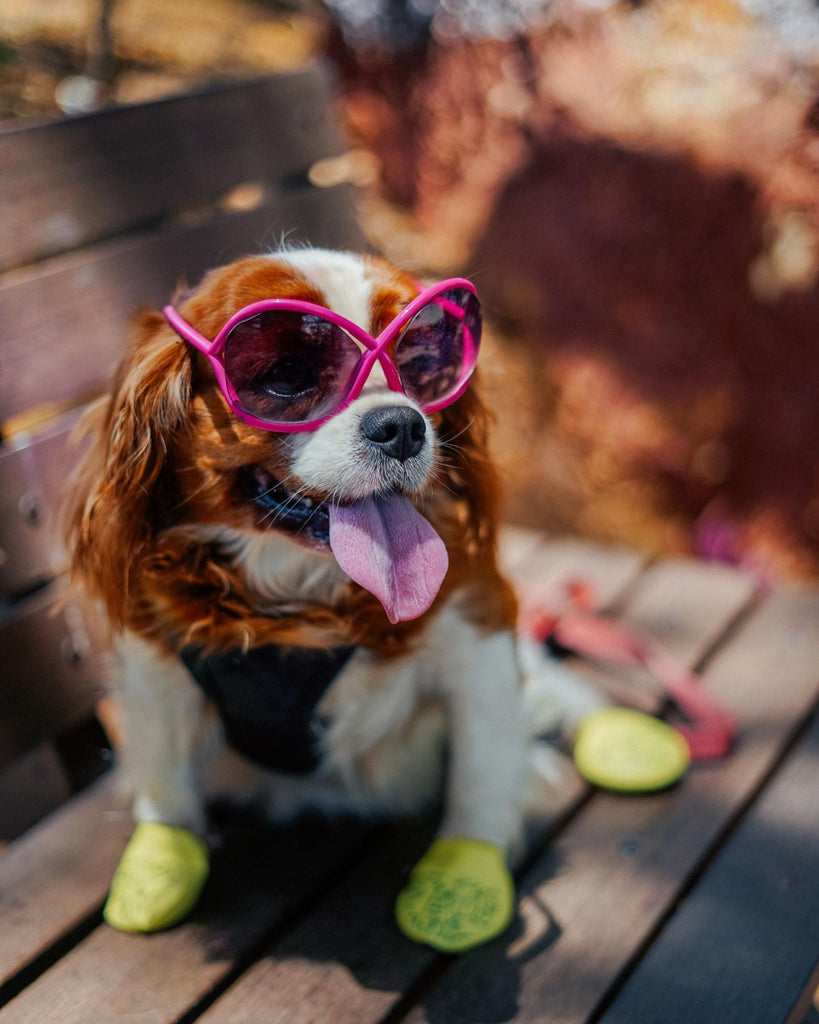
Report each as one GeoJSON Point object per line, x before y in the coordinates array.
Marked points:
{"type": "Point", "coordinates": [55, 877]}
{"type": "Point", "coordinates": [758, 904]}
{"type": "Point", "coordinates": [735, 823]}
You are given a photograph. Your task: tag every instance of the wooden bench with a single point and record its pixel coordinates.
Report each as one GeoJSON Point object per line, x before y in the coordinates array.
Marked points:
{"type": "Point", "coordinates": [697, 905]}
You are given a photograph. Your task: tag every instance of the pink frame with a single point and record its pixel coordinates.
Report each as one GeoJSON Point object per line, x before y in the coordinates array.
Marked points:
{"type": "Point", "coordinates": [375, 350]}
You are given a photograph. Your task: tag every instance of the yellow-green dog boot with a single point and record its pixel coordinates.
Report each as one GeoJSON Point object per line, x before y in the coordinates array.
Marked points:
{"type": "Point", "coordinates": [158, 880]}
{"type": "Point", "coordinates": [459, 895]}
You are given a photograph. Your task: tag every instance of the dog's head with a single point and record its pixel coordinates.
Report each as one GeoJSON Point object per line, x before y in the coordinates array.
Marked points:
{"type": "Point", "coordinates": [174, 467]}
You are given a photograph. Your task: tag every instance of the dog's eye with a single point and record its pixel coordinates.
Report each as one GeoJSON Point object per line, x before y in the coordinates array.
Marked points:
{"type": "Point", "coordinates": [432, 350]}
{"type": "Point", "coordinates": [290, 366]}
{"type": "Point", "coordinates": [289, 377]}
{"type": "Point", "coordinates": [429, 361]}
{"type": "Point", "coordinates": [421, 367]}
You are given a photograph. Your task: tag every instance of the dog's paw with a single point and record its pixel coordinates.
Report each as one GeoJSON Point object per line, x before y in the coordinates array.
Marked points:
{"type": "Point", "coordinates": [158, 880]}
{"type": "Point", "coordinates": [555, 698]}
{"type": "Point", "coordinates": [459, 895]}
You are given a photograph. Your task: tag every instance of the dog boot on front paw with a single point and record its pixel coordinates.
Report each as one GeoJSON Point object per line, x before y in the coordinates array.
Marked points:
{"type": "Point", "coordinates": [459, 895]}
{"type": "Point", "coordinates": [159, 878]}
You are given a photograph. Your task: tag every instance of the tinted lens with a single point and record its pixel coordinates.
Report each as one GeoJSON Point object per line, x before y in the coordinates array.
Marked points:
{"type": "Point", "coordinates": [289, 367]}
{"type": "Point", "coordinates": [438, 347]}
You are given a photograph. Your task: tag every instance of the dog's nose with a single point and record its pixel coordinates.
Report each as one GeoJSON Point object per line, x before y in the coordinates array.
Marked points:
{"type": "Point", "coordinates": [398, 430]}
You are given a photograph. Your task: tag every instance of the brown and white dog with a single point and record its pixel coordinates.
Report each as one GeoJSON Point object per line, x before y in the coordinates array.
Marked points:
{"type": "Point", "coordinates": [204, 538]}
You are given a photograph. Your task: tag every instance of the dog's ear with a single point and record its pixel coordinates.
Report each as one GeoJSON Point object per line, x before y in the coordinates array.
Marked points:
{"type": "Point", "coordinates": [468, 468]}
{"type": "Point", "coordinates": [119, 497]}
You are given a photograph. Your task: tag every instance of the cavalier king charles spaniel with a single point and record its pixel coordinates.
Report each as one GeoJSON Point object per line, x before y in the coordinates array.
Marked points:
{"type": "Point", "coordinates": [288, 513]}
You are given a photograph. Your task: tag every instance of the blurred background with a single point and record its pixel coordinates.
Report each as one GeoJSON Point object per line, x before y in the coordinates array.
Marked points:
{"type": "Point", "coordinates": [633, 186]}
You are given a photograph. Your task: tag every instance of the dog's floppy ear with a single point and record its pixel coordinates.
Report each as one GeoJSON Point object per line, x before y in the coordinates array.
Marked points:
{"type": "Point", "coordinates": [118, 502]}
{"type": "Point", "coordinates": [469, 471]}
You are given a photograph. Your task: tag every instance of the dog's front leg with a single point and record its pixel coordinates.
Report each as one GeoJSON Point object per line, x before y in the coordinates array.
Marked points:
{"type": "Point", "coordinates": [461, 892]}
{"type": "Point", "coordinates": [165, 864]}
{"type": "Point", "coordinates": [486, 773]}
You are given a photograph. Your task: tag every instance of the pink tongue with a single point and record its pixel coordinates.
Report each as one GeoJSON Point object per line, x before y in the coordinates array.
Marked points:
{"type": "Point", "coordinates": [386, 546]}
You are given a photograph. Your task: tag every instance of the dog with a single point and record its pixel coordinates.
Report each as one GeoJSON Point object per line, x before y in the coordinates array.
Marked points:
{"type": "Point", "coordinates": [288, 512]}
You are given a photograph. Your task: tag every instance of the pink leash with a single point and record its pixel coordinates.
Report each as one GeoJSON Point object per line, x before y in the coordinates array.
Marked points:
{"type": "Point", "coordinates": [711, 731]}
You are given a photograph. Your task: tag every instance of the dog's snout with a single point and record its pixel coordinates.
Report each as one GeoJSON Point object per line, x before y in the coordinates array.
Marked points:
{"type": "Point", "coordinates": [398, 430]}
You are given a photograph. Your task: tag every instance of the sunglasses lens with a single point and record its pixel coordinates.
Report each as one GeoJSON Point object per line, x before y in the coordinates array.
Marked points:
{"type": "Point", "coordinates": [438, 348]}
{"type": "Point", "coordinates": [289, 367]}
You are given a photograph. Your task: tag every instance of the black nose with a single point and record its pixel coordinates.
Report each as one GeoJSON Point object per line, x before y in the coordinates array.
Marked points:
{"type": "Point", "coordinates": [398, 430]}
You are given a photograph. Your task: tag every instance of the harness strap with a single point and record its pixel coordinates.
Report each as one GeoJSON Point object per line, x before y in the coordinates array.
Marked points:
{"type": "Point", "coordinates": [268, 697]}
{"type": "Point", "coordinates": [711, 729]}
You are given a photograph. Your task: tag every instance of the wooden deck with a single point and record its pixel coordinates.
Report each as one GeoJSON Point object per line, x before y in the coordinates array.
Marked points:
{"type": "Point", "coordinates": [698, 905]}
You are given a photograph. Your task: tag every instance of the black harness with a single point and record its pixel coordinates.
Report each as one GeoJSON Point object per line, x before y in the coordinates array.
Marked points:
{"type": "Point", "coordinates": [267, 697]}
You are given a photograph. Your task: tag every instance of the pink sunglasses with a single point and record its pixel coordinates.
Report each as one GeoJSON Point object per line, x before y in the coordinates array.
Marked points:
{"type": "Point", "coordinates": [289, 366]}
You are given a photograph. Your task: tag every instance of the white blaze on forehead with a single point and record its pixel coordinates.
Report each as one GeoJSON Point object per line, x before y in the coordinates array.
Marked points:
{"type": "Point", "coordinates": [347, 283]}
{"type": "Point", "coordinates": [343, 278]}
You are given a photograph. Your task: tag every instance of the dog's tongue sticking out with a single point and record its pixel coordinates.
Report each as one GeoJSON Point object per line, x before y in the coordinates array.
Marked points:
{"type": "Point", "coordinates": [386, 546]}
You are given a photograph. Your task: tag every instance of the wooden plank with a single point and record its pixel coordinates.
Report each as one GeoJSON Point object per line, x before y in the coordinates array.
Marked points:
{"type": "Point", "coordinates": [621, 864]}
{"type": "Point", "coordinates": [58, 873]}
{"type": "Point", "coordinates": [546, 571]}
{"type": "Point", "coordinates": [349, 948]}
{"type": "Point", "coordinates": [31, 788]}
{"type": "Point", "coordinates": [806, 1008]}
{"type": "Point", "coordinates": [50, 673]}
{"type": "Point", "coordinates": [346, 961]}
{"type": "Point", "coordinates": [64, 323]}
{"type": "Point", "coordinates": [33, 473]}
{"type": "Point", "coordinates": [515, 543]}
{"type": "Point", "coordinates": [258, 881]}
{"type": "Point", "coordinates": [64, 184]}
{"type": "Point", "coordinates": [349, 941]}
{"type": "Point", "coordinates": [758, 905]}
